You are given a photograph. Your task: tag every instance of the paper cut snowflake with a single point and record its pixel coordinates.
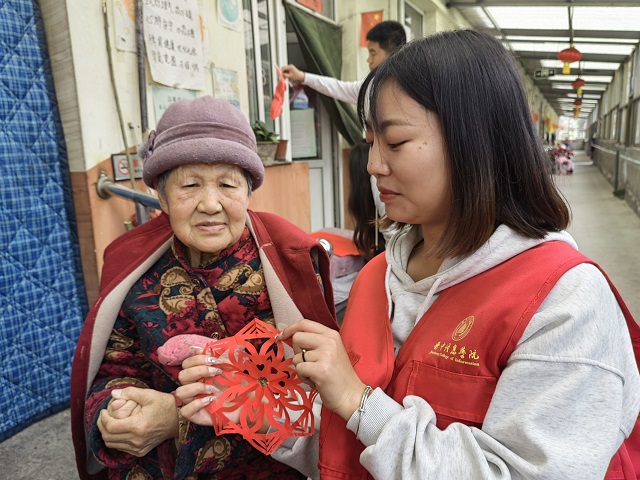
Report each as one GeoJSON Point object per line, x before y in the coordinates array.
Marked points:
{"type": "Point", "coordinates": [258, 385]}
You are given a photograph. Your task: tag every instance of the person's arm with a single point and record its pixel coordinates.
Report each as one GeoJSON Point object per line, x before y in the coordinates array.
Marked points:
{"type": "Point", "coordinates": [329, 86]}
{"type": "Point", "coordinates": [334, 88]}
{"type": "Point", "coordinates": [565, 402]}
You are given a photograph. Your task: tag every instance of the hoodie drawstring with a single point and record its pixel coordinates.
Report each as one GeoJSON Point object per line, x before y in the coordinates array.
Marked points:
{"type": "Point", "coordinates": [427, 301]}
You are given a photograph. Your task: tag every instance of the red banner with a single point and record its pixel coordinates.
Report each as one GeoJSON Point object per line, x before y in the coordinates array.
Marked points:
{"type": "Point", "coordinates": [278, 96]}
{"type": "Point", "coordinates": [369, 20]}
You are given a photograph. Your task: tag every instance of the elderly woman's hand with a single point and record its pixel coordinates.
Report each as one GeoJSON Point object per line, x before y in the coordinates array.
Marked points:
{"type": "Point", "coordinates": [325, 366]}
{"type": "Point", "coordinates": [151, 418]}
{"type": "Point", "coordinates": [196, 395]}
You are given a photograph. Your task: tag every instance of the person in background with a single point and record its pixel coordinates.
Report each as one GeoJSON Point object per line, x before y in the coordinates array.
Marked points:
{"type": "Point", "coordinates": [482, 345]}
{"type": "Point", "coordinates": [207, 267]}
{"type": "Point", "coordinates": [383, 39]}
{"type": "Point", "coordinates": [366, 233]}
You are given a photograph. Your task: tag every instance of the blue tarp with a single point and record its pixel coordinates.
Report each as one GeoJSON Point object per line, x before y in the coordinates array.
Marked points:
{"type": "Point", "coordinates": [42, 296]}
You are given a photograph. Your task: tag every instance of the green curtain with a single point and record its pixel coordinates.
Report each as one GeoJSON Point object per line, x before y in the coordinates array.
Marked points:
{"type": "Point", "coordinates": [321, 45]}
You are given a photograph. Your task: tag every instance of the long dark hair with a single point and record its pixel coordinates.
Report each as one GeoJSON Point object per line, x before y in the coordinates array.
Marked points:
{"type": "Point", "coordinates": [498, 169]}
{"type": "Point", "coordinates": [361, 204]}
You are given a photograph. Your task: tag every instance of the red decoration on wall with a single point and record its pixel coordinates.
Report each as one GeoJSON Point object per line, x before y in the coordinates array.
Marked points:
{"type": "Point", "coordinates": [315, 5]}
{"type": "Point", "coordinates": [535, 116]}
{"type": "Point", "coordinates": [368, 21]}
{"type": "Point", "coordinates": [258, 385]}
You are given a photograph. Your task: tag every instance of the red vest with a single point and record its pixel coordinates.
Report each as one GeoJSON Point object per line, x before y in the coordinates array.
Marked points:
{"type": "Point", "coordinates": [456, 352]}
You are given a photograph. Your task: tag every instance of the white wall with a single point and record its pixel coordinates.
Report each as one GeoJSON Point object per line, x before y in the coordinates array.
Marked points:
{"type": "Point", "coordinates": [77, 45]}
{"type": "Point", "coordinates": [78, 48]}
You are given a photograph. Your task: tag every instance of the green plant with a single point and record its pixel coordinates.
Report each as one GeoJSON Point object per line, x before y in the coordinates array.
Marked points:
{"type": "Point", "coordinates": [263, 134]}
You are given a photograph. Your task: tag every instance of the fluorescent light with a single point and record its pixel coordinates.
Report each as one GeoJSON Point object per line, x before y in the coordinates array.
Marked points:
{"type": "Point", "coordinates": [606, 18]}
{"type": "Point", "coordinates": [584, 65]}
{"type": "Point", "coordinates": [553, 18]}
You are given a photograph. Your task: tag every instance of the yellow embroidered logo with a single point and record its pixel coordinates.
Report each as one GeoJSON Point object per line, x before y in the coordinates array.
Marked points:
{"type": "Point", "coordinates": [455, 352]}
{"type": "Point", "coordinates": [463, 329]}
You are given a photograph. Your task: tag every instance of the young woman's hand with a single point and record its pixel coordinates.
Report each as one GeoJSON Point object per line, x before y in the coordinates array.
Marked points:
{"type": "Point", "coordinates": [325, 366]}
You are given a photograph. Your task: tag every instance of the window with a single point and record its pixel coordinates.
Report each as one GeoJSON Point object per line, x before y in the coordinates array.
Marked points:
{"type": "Point", "coordinates": [636, 138]}
{"type": "Point", "coordinates": [412, 20]}
{"type": "Point", "coordinates": [614, 124]}
{"type": "Point", "coordinates": [624, 118]}
{"type": "Point", "coordinates": [259, 55]}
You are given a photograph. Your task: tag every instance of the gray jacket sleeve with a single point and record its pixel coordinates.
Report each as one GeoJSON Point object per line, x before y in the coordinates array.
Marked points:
{"type": "Point", "coordinates": [568, 397]}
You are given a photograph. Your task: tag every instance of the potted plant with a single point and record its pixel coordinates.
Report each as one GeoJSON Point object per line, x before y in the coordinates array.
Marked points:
{"type": "Point", "coordinates": [267, 142]}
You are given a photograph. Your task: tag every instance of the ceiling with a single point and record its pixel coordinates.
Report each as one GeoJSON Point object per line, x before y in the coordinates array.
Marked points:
{"type": "Point", "coordinates": [605, 32]}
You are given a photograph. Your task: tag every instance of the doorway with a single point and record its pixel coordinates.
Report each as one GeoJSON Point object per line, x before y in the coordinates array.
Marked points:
{"type": "Point", "coordinates": [314, 141]}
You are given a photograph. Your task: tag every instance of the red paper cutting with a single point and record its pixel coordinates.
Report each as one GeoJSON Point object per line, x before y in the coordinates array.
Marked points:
{"type": "Point", "coordinates": [278, 96]}
{"type": "Point", "coordinates": [259, 386]}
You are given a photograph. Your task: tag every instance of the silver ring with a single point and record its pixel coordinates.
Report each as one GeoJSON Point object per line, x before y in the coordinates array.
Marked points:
{"type": "Point", "coordinates": [304, 350]}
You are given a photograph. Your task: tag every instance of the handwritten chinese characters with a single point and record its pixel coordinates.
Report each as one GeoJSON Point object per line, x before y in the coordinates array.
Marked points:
{"type": "Point", "coordinates": [173, 43]}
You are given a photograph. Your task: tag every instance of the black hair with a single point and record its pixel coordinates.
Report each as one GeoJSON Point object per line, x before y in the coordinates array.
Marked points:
{"type": "Point", "coordinates": [498, 170]}
{"type": "Point", "coordinates": [361, 204]}
{"type": "Point", "coordinates": [389, 34]}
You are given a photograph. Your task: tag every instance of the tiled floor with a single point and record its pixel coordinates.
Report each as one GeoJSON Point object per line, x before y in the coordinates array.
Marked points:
{"type": "Point", "coordinates": [605, 228]}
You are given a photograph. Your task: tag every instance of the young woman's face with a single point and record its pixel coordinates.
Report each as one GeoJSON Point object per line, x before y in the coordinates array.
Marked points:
{"type": "Point", "coordinates": [207, 205]}
{"type": "Point", "coordinates": [408, 160]}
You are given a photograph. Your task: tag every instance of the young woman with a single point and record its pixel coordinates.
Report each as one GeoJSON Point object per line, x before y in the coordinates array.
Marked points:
{"type": "Point", "coordinates": [481, 345]}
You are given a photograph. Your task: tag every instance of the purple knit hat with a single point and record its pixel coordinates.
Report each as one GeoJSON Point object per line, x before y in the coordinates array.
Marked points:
{"type": "Point", "coordinates": [204, 130]}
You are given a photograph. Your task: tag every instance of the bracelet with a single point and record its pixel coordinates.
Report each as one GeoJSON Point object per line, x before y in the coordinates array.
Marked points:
{"type": "Point", "coordinates": [365, 395]}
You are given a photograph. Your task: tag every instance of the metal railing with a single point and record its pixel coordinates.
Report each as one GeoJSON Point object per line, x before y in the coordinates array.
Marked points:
{"type": "Point", "coordinates": [106, 187]}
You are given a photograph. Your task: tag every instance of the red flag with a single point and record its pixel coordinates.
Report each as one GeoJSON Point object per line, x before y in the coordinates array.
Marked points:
{"type": "Point", "coordinates": [369, 20]}
{"type": "Point", "coordinates": [278, 96]}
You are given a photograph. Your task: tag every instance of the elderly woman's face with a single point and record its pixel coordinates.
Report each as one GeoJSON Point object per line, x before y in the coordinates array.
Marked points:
{"type": "Point", "coordinates": [207, 206]}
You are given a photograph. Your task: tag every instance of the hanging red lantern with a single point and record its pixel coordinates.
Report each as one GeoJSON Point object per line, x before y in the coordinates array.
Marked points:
{"type": "Point", "coordinates": [577, 102]}
{"type": "Point", "coordinates": [569, 55]}
{"type": "Point", "coordinates": [577, 84]}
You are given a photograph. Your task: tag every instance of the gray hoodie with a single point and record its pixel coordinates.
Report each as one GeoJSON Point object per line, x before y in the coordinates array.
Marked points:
{"type": "Point", "coordinates": [568, 397]}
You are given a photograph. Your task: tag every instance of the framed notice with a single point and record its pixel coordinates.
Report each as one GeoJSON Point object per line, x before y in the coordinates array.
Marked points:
{"type": "Point", "coordinates": [120, 165]}
{"type": "Point", "coordinates": [165, 96]}
{"type": "Point", "coordinates": [225, 86]}
{"type": "Point", "coordinates": [303, 133]}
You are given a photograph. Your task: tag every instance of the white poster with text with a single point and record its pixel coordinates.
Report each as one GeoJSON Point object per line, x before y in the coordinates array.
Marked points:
{"type": "Point", "coordinates": [173, 40]}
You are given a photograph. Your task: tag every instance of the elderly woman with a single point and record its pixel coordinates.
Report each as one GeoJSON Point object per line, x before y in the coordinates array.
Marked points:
{"type": "Point", "coordinates": [207, 267]}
